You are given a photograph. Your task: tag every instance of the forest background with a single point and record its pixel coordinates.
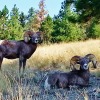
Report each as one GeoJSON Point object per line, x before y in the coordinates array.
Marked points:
{"type": "Point", "coordinates": [77, 20]}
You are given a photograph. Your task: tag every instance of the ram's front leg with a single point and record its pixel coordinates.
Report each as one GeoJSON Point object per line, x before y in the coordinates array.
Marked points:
{"type": "Point", "coordinates": [24, 64]}
{"type": "Point", "coordinates": [20, 63]}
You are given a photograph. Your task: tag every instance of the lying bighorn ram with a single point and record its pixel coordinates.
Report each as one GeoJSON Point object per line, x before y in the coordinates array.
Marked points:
{"type": "Point", "coordinates": [22, 49]}
{"type": "Point", "coordinates": [76, 77]}
{"type": "Point", "coordinates": [76, 60]}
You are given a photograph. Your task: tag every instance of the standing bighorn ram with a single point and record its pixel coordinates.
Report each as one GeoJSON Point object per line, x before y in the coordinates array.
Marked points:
{"type": "Point", "coordinates": [76, 60]}
{"type": "Point", "coordinates": [75, 77]}
{"type": "Point", "coordinates": [22, 49]}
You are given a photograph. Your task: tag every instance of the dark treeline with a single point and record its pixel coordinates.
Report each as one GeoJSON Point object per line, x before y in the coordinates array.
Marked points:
{"type": "Point", "coordinates": [77, 20]}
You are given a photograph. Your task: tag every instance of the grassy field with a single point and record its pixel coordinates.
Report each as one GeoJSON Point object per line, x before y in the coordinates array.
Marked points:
{"type": "Point", "coordinates": [57, 56]}
{"type": "Point", "coordinates": [46, 57]}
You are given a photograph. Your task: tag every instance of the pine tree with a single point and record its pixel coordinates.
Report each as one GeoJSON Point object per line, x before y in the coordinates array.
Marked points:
{"type": "Point", "coordinates": [30, 19]}
{"type": "Point", "coordinates": [4, 14]}
{"type": "Point", "coordinates": [47, 29]}
{"type": "Point", "coordinates": [22, 19]}
{"type": "Point", "coordinates": [15, 28]}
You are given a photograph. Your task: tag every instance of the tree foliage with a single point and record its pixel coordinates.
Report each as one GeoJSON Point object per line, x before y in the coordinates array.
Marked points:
{"type": "Point", "coordinates": [4, 22]}
{"type": "Point", "coordinates": [47, 29]}
{"type": "Point", "coordinates": [30, 18]}
{"type": "Point", "coordinates": [22, 19]}
{"type": "Point", "coordinates": [68, 25]}
{"type": "Point", "coordinates": [15, 29]}
{"type": "Point", "coordinates": [88, 9]}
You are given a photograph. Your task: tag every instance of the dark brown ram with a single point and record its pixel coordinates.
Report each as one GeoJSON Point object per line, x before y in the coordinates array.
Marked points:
{"type": "Point", "coordinates": [65, 79]}
{"type": "Point", "coordinates": [22, 49]}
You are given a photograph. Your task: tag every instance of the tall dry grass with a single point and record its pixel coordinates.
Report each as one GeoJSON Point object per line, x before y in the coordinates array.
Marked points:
{"type": "Point", "coordinates": [58, 55]}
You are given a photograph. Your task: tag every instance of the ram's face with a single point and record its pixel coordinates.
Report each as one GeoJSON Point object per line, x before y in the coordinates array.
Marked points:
{"type": "Point", "coordinates": [84, 63]}
{"type": "Point", "coordinates": [36, 37]}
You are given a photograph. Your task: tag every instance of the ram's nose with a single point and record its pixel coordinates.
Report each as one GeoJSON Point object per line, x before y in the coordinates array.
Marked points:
{"type": "Point", "coordinates": [36, 40]}
{"type": "Point", "coordinates": [85, 66]}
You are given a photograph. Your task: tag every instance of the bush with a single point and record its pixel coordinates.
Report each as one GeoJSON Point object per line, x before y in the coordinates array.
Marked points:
{"type": "Point", "coordinates": [75, 33]}
{"type": "Point", "coordinates": [94, 30]}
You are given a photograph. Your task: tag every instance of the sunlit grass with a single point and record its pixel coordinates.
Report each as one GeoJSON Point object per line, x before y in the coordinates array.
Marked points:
{"type": "Point", "coordinates": [59, 55]}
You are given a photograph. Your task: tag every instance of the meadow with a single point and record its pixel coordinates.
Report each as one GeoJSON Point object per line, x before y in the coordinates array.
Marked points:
{"type": "Point", "coordinates": [45, 59]}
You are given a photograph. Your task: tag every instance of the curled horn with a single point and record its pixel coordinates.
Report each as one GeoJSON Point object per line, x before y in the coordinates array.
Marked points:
{"type": "Point", "coordinates": [74, 60]}
{"type": "Point", "coordinates": [27, 35]}
{"type": "Point", "coordinates": [92, 59]}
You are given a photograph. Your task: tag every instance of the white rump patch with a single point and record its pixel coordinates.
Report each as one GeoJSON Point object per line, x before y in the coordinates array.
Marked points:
{"type": "Point", "coordinates": [46, 84]}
